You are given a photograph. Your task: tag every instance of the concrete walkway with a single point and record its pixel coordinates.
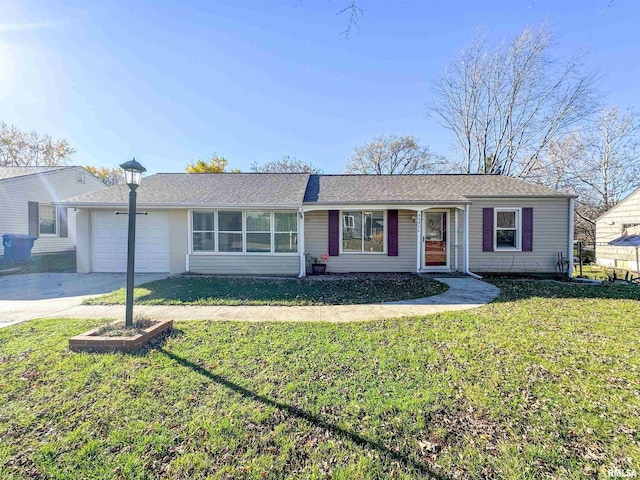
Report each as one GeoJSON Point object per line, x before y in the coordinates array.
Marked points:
{"type": "Point", "coordinates": [37, 295]}
{"type": "Point", "coordinates": [463, 294]}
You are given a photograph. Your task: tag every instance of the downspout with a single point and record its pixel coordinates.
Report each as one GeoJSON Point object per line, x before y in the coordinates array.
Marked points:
{"type": "Point", "coordinates": [303, 263]}
{"type": "Point", "coordinates": [466, 244]}
{"type": "Point", "coordinates": [570, 246]}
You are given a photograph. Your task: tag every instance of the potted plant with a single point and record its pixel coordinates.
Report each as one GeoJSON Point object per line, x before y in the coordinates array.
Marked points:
{"type": "Point", "coordinates": [318, 267]}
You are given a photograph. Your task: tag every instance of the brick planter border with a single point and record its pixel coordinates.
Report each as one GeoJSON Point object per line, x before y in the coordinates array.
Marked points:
{"type": "Point", "coordinates": [90, 342]}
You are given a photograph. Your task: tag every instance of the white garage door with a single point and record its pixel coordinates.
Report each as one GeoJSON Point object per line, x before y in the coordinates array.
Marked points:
{"type": "Point", "coordinates": [109, 237]}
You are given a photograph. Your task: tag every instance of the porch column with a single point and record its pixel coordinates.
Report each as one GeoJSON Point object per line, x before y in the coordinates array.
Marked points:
{"type": "Point", "coordinates": [303, 263]}
{"type": "Point", "coordinates": [418, 240]}
{"type": "Point", "coordinates": [465, 262]}
{"type": "Point", "coordinates": [456, 239]}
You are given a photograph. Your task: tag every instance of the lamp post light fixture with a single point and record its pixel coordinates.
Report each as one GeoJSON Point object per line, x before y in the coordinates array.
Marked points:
{"type": "Point", "coordinates": [133, 174]}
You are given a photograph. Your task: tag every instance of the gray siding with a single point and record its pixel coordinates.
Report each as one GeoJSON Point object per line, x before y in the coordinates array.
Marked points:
{"type": "Point", "coordinates": [245, 264]}
{"type": "Point", "coordinates": [16, 193]}
{"type": "Point", "coordinates": [316, 242]}
{"type": "Point", "coordinates": [610, 227]}
{"type": "Point", "coordinates": [550, 236]}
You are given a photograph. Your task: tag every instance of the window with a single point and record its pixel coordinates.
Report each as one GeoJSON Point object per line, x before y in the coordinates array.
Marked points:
{"type": "Point", "coordinates": [363, 232]}
{"type": "Point", "coordinates": [230, 231]}
{"type": "Point", "coordinates": [48, 220]}
{"type": "Point", "coordinates": [250, 231]}
{"type": "Point", "coordinates": [203, 232]}
{"type": "Point", "coordinates": [507, 230]}
{"type": "Point", "coordinates": [258, 231]}
{"type": "Point", "coordinates": [286, 232]}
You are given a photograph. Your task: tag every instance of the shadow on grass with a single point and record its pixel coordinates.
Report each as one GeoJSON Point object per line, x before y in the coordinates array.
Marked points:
{"type": "Point", "coordinates": [512, 290]}
{"type": "Point", "coordinates": [304, 415]}
{"type": "Point", "coordinates": [213, 290]}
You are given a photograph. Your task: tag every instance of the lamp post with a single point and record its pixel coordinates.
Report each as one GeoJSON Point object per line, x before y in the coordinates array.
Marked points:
{"type": "Point", "coordinates": [132, 173]}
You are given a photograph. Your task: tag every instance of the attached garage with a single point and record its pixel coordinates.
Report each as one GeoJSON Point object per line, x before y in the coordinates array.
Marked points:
{"type": "Point", "coordinates": [109, 242]}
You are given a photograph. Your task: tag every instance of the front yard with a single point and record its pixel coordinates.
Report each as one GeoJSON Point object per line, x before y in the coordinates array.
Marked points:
{"type": "Point", "coordinates": [544, 382]}
{"type": "Point", "coordinates": [51, 262]}
{"type": "Point", "coordinates": [329, 290]}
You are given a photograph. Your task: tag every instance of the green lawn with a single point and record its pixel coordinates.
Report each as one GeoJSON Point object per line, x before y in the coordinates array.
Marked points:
{"type": "Point", "coordinates": [205, 290]}
{"type": "Point", "coordinates": [55, 262]}
{"type": "Point", "coordinates": [599, 272]}
{"type": "Point", "coordinates": [544, 382]}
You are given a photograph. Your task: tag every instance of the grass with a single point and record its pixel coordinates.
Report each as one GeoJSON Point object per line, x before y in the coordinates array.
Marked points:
{"type": "Point", "coordinates": [49, 263]}
{"type": "Point", "coordinates": [204, 290]}
{"type": "Point", "coordinates": [598, 272]}
{"type": "Point", "coordinates": [544, 382]}
{"type": "Point", "coordinates": [118, 329]}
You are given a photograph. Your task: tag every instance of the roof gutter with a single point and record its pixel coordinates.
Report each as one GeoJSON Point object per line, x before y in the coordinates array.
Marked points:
{"type": "Point", "coordinates": [176, 206]}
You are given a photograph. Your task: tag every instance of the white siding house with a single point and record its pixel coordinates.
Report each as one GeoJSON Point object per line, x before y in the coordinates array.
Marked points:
{"type": "Point", "coordinates": [611, 225]}
{"type": "Point", "coordinates": [28, 196]}
{"type": "Point", "coordinates": [269, 224]}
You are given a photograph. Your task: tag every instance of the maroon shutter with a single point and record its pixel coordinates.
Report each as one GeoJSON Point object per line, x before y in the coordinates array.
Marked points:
{"type": "Point", "coordinates": [527, 229]}
{"type": "Point", "coordinates": [34, 219]}
{"type": "Point", "coordinates": [392, 239]}
{"type": "Point", "coordinates": [64, 229]}
{"type": "Point", "coordinates": [334, 233]}
{"type": "Point", "coordinates": [487, 229]}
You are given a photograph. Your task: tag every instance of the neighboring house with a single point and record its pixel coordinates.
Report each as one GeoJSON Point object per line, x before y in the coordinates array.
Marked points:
{"type": "Point", "coordinates": [28, 197]}
{"type": "Point", "coordinates": [613, 224]}
{"type": "Point", "coordinates": [251, 223]}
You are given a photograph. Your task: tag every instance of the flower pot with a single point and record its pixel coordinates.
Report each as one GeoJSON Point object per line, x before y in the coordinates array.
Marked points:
{"type": "Point", "coordinates": [318, 268]}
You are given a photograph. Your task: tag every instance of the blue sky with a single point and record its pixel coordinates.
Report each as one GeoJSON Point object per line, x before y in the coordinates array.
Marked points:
{"type": "Point", "coordinates": [170, 82]}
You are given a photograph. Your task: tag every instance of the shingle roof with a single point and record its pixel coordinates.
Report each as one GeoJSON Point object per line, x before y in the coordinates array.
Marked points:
{"type": "Point", "coordinates": [292, 189]}
{"type": "Point", "coordinates": [193, 189]}
{"type": "Point", "coordinates": [13, 172]}
{"type": "Point", "coordinates": [333, 189]}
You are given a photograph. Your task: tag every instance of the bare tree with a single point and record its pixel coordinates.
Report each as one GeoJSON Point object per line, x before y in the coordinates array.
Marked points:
{"type": "Point", "coordinates": [30, 149]}
{"type": "Point", "coordinates": [601, 165]}
{"type": "Point", "coordinates": [394, 155]}
{"type": "Point", "coordinates": [285, 165]}
{"type": "Point", "coordinates": [611, 166]}
{"type": "Point", "coordinates": [506, 104]}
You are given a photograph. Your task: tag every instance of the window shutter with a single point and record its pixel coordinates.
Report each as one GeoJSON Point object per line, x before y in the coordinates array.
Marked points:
{"type": "Point", "coordinates": [527, 229]}
{"type": "Point", "coordinates": [34, 219]}
{"type": "Point", "coordinates": [487, 229]}
{"type": "Point", "coordinates": [334, 233]}
{"type": "Point", "coordinates": [62, 216]}
{"type": "Point", "coordinates": [392, 238]}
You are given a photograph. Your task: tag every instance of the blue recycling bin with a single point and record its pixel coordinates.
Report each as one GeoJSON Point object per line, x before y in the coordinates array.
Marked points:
{"type": "Point", "coordinates": [17, 248]}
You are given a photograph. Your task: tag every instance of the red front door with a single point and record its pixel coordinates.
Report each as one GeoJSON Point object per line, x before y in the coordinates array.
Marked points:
{"type": "Point", "coordinates": [435, 239]}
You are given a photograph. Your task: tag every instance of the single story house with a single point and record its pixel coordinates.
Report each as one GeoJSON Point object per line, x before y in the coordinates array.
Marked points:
{"type": "Point", "coordinates": [29, 196]}
{"type": "Point", "coordinates": [254, 223]}
{"type": "Point", "coordinates": [613, 224]}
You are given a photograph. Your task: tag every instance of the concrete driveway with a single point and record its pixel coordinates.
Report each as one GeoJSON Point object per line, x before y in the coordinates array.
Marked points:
{"type": "Point", "coordinates": [37, 295]}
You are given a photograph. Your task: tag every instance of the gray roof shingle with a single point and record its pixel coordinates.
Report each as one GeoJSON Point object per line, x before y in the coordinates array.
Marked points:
{"type": "Point", "coordinates": [334, 189]}
{"type": "Point", "coordinates": [13, 172]}
{"type": "Point", "coordinates": [292, 189]}
{"type": "Point", "coordinates": [193, 189]}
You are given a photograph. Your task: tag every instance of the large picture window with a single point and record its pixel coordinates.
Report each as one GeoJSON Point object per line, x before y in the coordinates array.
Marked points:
{"type": "Point", "coordinates": [286, 232]}
{"type": "Point", "coordinates": [203, 232]}
{"type": "Point", "coordinates": [259, 231]}
{"type": "Point", "coordinates": [230, 231]}
{"type": "Point", "coordinates": [363, 231]}
{"type": "Point", "coordinates": [249, 231]}
{"type": "Point", "coordinates": [48, 220]}
{"type": "Point", "coordinates": [507, 230]}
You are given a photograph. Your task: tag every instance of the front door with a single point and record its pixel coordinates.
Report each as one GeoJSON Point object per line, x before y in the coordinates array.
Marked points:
{"type": "Point", "coordinates": [435, 239]}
